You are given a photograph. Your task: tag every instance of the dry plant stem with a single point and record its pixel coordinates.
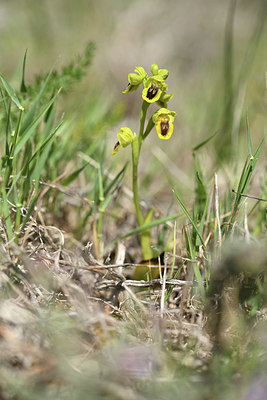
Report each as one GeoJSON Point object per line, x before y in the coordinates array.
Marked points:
{"type": "Point", "coordinates": [163, 290]}
{"type": "Point", "coordinates": [248, 196]}
{"type": "Point", "coordinates": [134, 283]}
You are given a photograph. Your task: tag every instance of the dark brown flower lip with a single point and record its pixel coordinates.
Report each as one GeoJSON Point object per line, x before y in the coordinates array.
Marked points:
{"type": "Point", "coordinates": [129, 86]}
{"type": "Point", "coordinates": [152, 91]}
{"type": "Point", "coordinates": [116, 145]}
{"type": "Point", "coordinates": [164, 126]}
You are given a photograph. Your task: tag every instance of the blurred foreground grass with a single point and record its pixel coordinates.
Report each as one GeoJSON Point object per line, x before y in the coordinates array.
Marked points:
{"type": "Point", "coordinates": [73, 323]}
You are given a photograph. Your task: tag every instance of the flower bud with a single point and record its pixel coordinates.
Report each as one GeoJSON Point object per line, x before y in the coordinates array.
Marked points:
{"type": "Point", "coordinates": [135, 79]}
{"type": "Point", "coordinates": [125, 138]}
{"type": "Point", "coordinates": [164, 73]}
{"type": "Point", "coordinates": [154, 69]}
{"type": "Point", "coordinates": [164, 98]}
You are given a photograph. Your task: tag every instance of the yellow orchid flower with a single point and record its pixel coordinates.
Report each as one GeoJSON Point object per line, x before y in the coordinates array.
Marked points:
{"type": "Point", "coordinates": [125, 137]}
{"type": "Point", "coordinates": [163, 120]}
{"type": "Point", "coordinates": [135, 79]}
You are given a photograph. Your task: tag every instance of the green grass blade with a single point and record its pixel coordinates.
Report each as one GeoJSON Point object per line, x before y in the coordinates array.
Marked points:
{"type": "Point", "coordinates": [200, 282]}
{"type": "Point", "coordinates": [108, 199]}
{"type": "Point", "coordinates": [115, 183]}
{"type": "Point", "coordinates": [16, 133]}
{"type": "Point", "coordinates": [115, 179]}
{"type": "Point", "coordinates": [204, 142]}
{"type": "Point", "coordinates": [74, 175]}
{"type": "Point", "coordinates": [11, 93]}
{"type": "Point", "coordinates": [246, 175]}
{"type": "Point", "coordinates": [191, 254]}
{"type": "Point", "coordinates": [30, 114]}
{"type": "Point", "coordinates": [23, 88]}
{"type": "Point", "coordinates": [162, 233]}
{"type": "Point", "coordinates": [100, 183]}
{"type": "Point", "coordinates": [202, 223]}
{"type": "Point", "coordinates": [201, 194]}
{"type": "Point", "coordinates": [29, 212]}
{"type": "Point", "coordinates": [7, 130]}
{"type": "Point", "coordinates": [245, 179]}
{"type": "Point", "coordinates": [185, 211]}
{"type": "Point", "coordinates": [189, 244]}
{"type": "Point", "coordinates": [45, 142]}
{"type": "Point", "coordinates": [170, 288]}
{"type": "Point", "coordinates": [10, 158]}
{"type": "Point", "coordinates": [249, 138]}
{"type": "Point", "coordinates": [7, 214]}
{"type": "Point", "coordinates": [31, 129]}
{"type": "Point", "coordinates": [147, 226]}
{"type": "Point", "coordinates": [42, 156]}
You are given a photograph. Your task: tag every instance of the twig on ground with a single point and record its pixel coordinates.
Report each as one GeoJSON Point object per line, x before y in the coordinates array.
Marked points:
{"type": "Point", "coordinates": [248, 196]}
{"type": "Point", "coordinates": [154, 282]}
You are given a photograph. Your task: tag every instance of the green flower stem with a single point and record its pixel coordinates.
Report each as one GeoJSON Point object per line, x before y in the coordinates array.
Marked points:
{"type": "Point", "coordinates": [145, 236]}
{"type": "Point", "coordinates": [144, 108]}
{"type": "Point", "coordinates": [135, 158]}
{"type": "Point", "coordinates": [149, 127]}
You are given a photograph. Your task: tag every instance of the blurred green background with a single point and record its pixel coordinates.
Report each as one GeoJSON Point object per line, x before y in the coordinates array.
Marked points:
{"type": "Point", "coordinates": [187, 37]}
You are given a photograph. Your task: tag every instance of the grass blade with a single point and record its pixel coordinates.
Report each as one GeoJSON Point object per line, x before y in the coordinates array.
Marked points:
{"type": "Point", "coordinates": [245, 179]}
{"type": "Point", "coordinates": [185, 211]}
{"type": "Point", "coordinates": [204, 142]}
{"type": "Point", "coordinates": [7, 214]}
{"type": "Point", "coordinates": [30, 114]}
{"type": "Point", "coordinates": [27, 134]}
{"type": "Point", "coordinates": [29, 212]}
{"type": "Point", "coordinates": [7, 130]}
{"type": "Point", "coordinates": [74, 175]}
{"type": "Point", "coordinates": [23, 88]}
{"type": "Point", "coordinates": [249, 138]}
{"type": "Point", "coordinates": [147, 226]}
{"type": "Point", "coordinates": [11, 93]}
{"type": "Point", "coordinates": [115, 179]}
